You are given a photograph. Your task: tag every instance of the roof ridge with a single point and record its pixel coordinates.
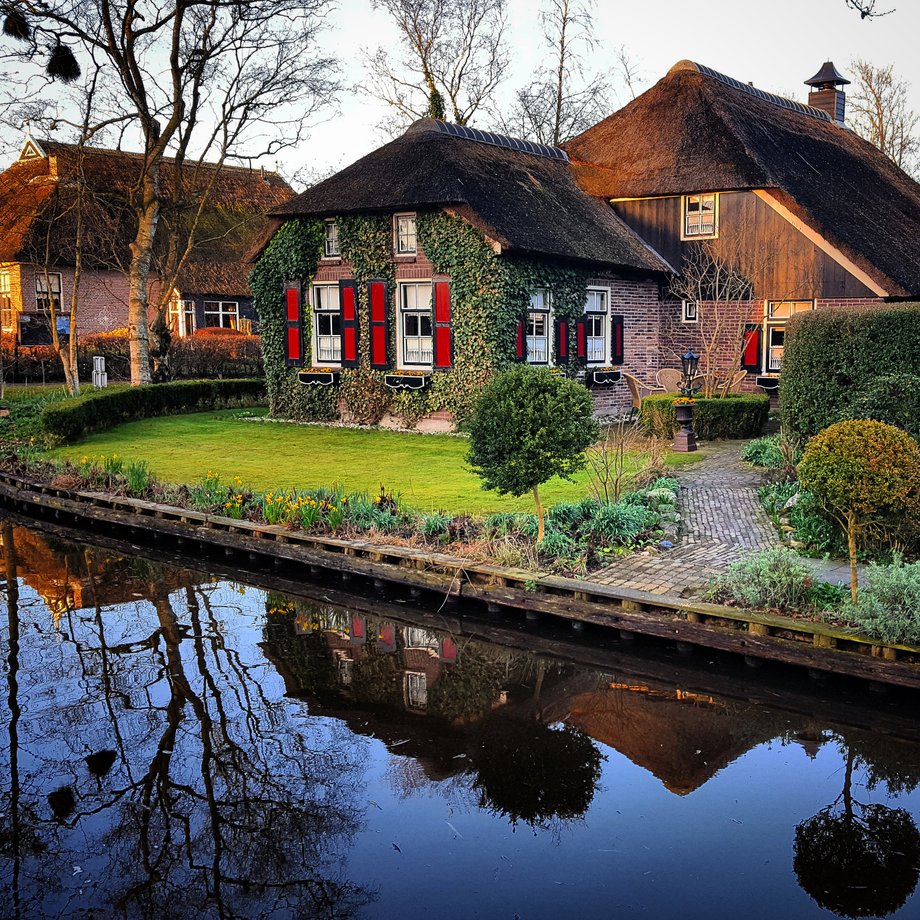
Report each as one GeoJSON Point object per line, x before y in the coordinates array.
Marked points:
{"type": "Point", "coordinates": [774, 99]}
{"type": "Point", "coordinates": [491, 138]}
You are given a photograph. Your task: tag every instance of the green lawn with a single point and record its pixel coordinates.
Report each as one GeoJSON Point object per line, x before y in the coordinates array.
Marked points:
{"type": "Point", "coordinates": [428, 471]}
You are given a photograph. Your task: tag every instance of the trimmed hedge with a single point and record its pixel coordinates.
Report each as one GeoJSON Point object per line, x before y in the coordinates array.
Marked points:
{"type": "Point", "coordinates": [72, 419]}
{"type": "Point", "coordinates": [738, 415]}
{"type": "Point", "coordinates": [833, 357]}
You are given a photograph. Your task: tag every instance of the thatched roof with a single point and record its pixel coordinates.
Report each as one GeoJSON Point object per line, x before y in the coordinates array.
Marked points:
{"type": "Point", "coordinates": [38, 195]}
{"type": "Point", "coordinates": [521, 195]}
{"type": "Point", "coordinates": [697, 130]}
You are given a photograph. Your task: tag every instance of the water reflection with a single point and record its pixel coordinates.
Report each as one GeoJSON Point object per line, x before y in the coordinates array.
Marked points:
{"type": "Point", "coordinates": [179, 746]}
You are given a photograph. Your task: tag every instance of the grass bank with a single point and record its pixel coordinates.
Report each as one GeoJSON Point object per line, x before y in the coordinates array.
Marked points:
{"type": "Point", "coordinates": [428, 472]}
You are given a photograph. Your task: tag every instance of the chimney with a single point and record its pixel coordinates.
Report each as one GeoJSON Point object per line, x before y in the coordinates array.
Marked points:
{"type": "Point", "coordinates": [826, 93]}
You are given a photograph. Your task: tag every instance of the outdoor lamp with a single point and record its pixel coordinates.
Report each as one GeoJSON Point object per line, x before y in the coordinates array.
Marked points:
{"type": "Point", "coordinates": [689, 363]}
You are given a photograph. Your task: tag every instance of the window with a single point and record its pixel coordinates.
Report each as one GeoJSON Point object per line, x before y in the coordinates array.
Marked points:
{"type": "Point", "coordinates": [701, 217]}
{"type": "Point", "coordinates": [596, 326]}
{"type": "Point", "coordinates": [181, 316]}
{"type": "Point", "coordinates": [405, 235]}
{"type": "Point", "coordinates": [777, 312]}
{"type": "Point", "coordinates": [327, 325]}
{"type": "Point", "coordinates": [415, 324]}
{"type": "Point", "coordinates": [416, 690]}
{"type": "Point", "coordinates": [331, 244]}
{"type": "Point", "coordinates": [537, 330]}
{"type": "Point", "coordinates": [690, 311]}
{"type": "Point", "coordinates": [47, 291]}
{"type": "Point", "coordinates": [7, 314]}
{"type": "Point", "coordinates": [223, 314]}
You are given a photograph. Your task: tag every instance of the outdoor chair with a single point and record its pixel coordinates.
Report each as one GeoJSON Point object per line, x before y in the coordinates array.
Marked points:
{"type": "Point", "coordinates": [639, 390]}
{"type": "Point", "coordinates": [670, 379]}
{"type": "Point", "coordinates": [733, 384]}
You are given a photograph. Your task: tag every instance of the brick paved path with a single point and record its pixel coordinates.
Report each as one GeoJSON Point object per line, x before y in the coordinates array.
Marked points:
{"type": "Point", "coordinates": [721, 520]}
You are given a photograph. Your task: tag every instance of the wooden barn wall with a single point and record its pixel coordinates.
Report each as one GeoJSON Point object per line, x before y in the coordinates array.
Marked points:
{"type": "Point", "coordinates": [786, 264]}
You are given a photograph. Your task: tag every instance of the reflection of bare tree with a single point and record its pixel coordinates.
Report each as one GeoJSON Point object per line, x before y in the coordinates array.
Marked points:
{"type": "Point", "coordinates": [184, 781]}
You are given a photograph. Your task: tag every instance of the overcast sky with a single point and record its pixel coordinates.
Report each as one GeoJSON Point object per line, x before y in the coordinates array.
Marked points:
{"type": "Point", "coordinates": [776, 44]}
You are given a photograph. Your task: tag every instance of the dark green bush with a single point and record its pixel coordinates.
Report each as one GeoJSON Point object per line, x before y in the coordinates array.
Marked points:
{"type": "Point", "coordinates": [72, 419]}
{"type": "Point", "coordinates": [830, 356]}
{"type": "Point", "coordinates": [894, 399]}
{"type": "Point", "coordinates": [739, 415]}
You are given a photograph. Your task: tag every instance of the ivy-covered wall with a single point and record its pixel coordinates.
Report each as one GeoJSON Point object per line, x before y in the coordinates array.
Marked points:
{"type": "Point", "coordinates": [489, 294]}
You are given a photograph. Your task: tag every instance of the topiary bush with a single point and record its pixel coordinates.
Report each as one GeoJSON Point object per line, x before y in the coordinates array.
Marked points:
{"type": "Point", "coordinates": [866, 474]}
{"type": "Point", "coordinates": [738, 415]}
{"type": "Point", "coordinates": [71, 419]}
{"type": "Point", "coordinates": [831, 355]}
{"type": "Point", "coordinates": [894, 399]}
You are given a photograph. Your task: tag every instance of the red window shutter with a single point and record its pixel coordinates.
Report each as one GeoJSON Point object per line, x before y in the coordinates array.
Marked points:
{"type": "Point", "coordinates": [752, 347]}
{"type": "Point", "coordinates": [379, 324]}
{"type": "Point", "coordinates": [520, 343]}
{"type": "Point", "coordinates": [293, 354]}
{"type": "Point", "coordinates": [562, 341]}
{"type": "Point", "coordinates": [348, 302]}
{"type": "Point", "coordinates": [443, 326]}
{"type": "Point", "coordinates": [581, 339]}
{"type": "Point", "coordinates": [617, 349]}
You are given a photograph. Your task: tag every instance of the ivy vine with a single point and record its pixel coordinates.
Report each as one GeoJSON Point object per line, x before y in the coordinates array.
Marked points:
{"type": "Point", "coordinates": [490, 293]}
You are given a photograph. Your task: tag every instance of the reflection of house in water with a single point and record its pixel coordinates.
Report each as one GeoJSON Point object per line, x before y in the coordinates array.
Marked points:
{"type": "Point", "coordinates": [419, 655]}
{"type": "Point", "coordinates": [68, 578]}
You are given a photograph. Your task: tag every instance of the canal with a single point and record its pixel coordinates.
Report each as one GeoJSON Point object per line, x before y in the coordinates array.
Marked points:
{"type": "Point", "coordinates": [182, 742]}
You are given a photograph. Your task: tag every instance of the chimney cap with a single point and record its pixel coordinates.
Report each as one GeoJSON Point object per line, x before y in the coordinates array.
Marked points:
{"type": "Point", "coordinates": [828, 75]}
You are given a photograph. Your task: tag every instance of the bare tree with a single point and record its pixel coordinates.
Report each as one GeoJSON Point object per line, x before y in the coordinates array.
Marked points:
{"type": "Point", "coordinates": [195, 79]}
{"type": "Point", "coordinates": [567, 97]}
{"type": "Point", "coordinates": [866, 8]}
{"type": "Point", "coordinates": [453, 59]}
{"type": "Point", "coordinates": [880, 112]}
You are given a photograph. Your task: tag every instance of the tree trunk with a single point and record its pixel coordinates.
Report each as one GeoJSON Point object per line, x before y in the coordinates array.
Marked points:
{"type": "Point", "coordinates": [138, 274]}
{"type": "Point", "coordinates": [851, 546]}
{"type": "Point", "coordinates": [536, 498]}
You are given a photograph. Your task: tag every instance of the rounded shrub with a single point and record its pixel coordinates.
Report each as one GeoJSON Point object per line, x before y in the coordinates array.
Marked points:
{"type": "Point", "coordinates": [866, 474]}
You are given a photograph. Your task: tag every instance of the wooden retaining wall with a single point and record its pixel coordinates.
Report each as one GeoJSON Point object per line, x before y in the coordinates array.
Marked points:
{"type": "Point", "coordinates": [803, 643]}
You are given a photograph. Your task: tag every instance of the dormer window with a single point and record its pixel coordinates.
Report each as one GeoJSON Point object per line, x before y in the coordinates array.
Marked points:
{"type": "Point", "coordinates": [701, 216]}
{"type": "Point", "coordinates": [331, 245]}
{"type": "Point", "coordinates": [405, 235]}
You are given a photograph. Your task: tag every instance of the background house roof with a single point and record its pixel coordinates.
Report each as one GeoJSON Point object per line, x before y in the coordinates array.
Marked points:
{"type": "Point", "coordinates": [527, 200]}
{"type": "Point", "coordinates": [38, 198]}
{"type": "Point", "coordinates": [695, 131]}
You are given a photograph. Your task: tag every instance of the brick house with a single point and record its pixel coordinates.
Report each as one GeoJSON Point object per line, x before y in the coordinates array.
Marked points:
{"type": "Point", "coordinates": [807, 212]}
{"type": "Point", "coordinates": [39, 198]}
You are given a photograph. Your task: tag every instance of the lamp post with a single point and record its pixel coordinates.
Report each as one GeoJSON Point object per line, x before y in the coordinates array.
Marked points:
{"type": "Point", "coordinates": [685, 440]}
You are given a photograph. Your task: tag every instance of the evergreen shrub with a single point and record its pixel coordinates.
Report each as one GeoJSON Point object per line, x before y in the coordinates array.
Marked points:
{"type": "Point", "coordinates": [894, 399]}
{"type": "Point", "coordinates": [888, 607]}
{"type": "Point", "coordinates": [738, 415]}
{"type": "Point", "coordinates": [833, 357]}
{"type": "Point", "coordinates": [72, 419]}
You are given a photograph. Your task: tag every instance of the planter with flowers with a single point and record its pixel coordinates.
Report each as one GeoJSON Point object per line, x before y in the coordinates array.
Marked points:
{"type": "Point", "coordinates": [685, 440]}
{"type": "Point", "coordinates": [602, 376]}
{"type": "Point", "coordinates": [319, 376]}
{"type": "Point", "coordinates": [407, 380]}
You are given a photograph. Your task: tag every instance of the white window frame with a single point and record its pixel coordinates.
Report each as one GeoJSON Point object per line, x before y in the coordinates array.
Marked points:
{"type": "Point", "coordinates": [686, 233]}
{"type": "Point", "coordinates": [7, 310]}
{"type": "Point", "coordinates": [403, 312]}
{"type": "Point", "coordinates": [416, 684]}
{"type": "Point", "coordinates": [402, 238]}
{"type": "Point", "coordinates": [541, 306]}
{"type": "Point", "coordinates": [222, 311]}
{"type": "Point", "coordinates": [689, 311]}
{"type": "Point", "coordinates": [331, 248]}
{"type": "Point", "coordinates": [605, 336]}
{"type": "Point", "coordinates": [42, 296]}
{"type": "Point", "coordinates": [181, 310]}
{"type": "Point", "coordinates": [777, 323]}
{"type": "Point", "coordinates": [324, 310]}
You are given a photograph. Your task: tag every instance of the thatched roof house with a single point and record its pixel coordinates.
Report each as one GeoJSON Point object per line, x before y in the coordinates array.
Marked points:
{"type": "Point", "coordinates": [39, 197]}
{"type": "Point", "coordinates": [698, 130]}
{"type": "Point", "coordinates": [522, 195]}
